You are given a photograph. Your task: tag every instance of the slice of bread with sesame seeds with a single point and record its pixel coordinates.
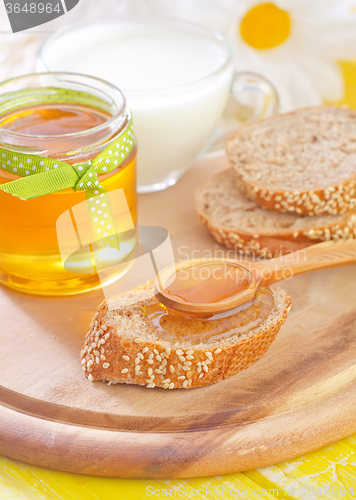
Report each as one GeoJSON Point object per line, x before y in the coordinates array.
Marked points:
{"type": "Point", "coordinates": [302, 162]}
{"type": "Point", "coordinates": [123, 347]}
{"type": "Point", "coordinates": [240, 224]}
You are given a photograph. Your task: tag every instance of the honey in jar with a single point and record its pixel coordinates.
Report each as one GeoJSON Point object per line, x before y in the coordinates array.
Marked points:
{"type": "Point", "coordinates": [40, 116]}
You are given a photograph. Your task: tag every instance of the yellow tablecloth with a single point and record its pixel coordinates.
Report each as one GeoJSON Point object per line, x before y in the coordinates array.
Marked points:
{"type": "Point", "coordinates": [325, 474]}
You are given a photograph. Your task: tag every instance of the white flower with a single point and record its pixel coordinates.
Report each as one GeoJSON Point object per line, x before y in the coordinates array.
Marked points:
{"type": "Point", "coordinates": [294, 43]}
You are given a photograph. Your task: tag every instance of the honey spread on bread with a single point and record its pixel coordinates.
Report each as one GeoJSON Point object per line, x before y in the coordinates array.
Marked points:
{"type": "Point", "coordinates": [174, 326]}
{"type": "Point", "coordinates": [134, 340]}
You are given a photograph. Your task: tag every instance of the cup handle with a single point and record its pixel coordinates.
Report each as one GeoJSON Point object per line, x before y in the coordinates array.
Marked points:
{"type": "Point", "coordinates": [252, 97]}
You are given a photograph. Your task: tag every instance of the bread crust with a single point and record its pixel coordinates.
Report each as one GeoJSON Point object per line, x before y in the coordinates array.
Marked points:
{"type": "Point", "coordinates": [268, 243]}
{"type": "Point", "coordinates": [111, 355]}
{"type": "Point", "coordinates": [337, 198]}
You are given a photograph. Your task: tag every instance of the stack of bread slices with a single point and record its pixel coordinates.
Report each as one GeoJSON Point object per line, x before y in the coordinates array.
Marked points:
{"type": "Point", "coordinates": [291, 183]}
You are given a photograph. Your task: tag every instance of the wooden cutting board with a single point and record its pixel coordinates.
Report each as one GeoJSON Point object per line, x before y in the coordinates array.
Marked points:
{"type": "Point", "coordinates": [298, 397]}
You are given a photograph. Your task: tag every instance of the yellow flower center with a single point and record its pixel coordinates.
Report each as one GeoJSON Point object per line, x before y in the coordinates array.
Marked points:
{"type": "Point", "coordinates": [265, 26]}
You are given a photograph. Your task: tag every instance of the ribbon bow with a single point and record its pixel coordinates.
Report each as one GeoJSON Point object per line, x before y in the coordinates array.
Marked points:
{"type": "Point", "coordinates": [41, 175]}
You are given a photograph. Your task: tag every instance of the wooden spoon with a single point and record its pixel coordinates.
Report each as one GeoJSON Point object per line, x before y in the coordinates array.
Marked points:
{"type": "Point", "coordinates": [212, 286]}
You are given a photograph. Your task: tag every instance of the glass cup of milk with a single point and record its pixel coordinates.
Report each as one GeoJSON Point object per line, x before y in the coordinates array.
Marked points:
{"type": "Point", "coordinates": [177, 78]}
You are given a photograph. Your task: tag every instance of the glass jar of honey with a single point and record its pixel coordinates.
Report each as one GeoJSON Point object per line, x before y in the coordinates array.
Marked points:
{"type": "Point", "coordinates": [70, 118]}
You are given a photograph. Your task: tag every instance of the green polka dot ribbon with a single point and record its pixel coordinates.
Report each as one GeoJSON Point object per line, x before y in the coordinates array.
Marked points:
{"type": "Point", "coordinates": [40, 176]}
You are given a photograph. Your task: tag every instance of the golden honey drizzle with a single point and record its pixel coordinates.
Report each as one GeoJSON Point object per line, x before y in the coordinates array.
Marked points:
{"type": "Point", "coordinates": [174, 326]}
{"type": "Point", "coordinates": [209, 282]}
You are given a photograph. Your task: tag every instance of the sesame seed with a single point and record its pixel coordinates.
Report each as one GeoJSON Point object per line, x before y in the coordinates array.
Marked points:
{"type": "Point", "coordinates": [149, 371]}
{"type": "Point", "coordinates": [186, 368]}
{"type": "Point", "coordinates": [171, 385]}
{"type": "Point", "coordinates": [182, 377]}
{"type": "Point", "coordinates": [125, 370]}
{"type": "Point", "coordinates": [137, 368]}
{"type": "Point", "coordinates": [205, 368]}
{"type": "Point", "coordinates": [218, 351]}
{"type": "Point", "coordinates": [181, 358]}
{"type": "Point", "coordinates": [209, 355]}
{"type": "Point", "coordinates": [164, 362]}
{"type": "Point", "coordinates": [179, 352]}
{"type": "Point", "coordinates": [190, 351]}
{"type": "Point", "coordinates": [171, 368]}
{"type": "Point", "coordinates": [137, 360]}
{"type": "Point", "coordinates": [150, 356]}
{"type": "Point", "coordinates": [166, 381]}
{"type": "Point", "coordinates": [187, 363]}
{"type": "Point", "coordinates": [126, 358]}
{"type": "Point", "coordinates": [104, 328]}
{"type": "Point", "coordinates": [189, 374]}
{"type": "Point", "coordinates": [140, 356]}
{"type": "Point", "coordinates": [106, 365]}
{"type": "Point", "coordinates": [97, 360]}
{"type": "Point", "coordinates": [201, 375]}
{"type": "Point", "coordinates": [164, 371]}
{"type": "Point", "coordinates": [137, 341]}
{"type": "Point", "coordinates": [97, 353]}
{"type": "Point", "coordinates": [151, 385]}
{"type": "Point", "coordinates": [199, 369]}
{"type": "Point", "coordinates": [90, 362]}
{"type": "Point", "coordinates": [90, 377]}
{"type": "Point", "coordinates": [150, 361]}
{"type": "Point", "coordinates": [168, 350]}
{"type": "Point", "coordinates": [145, 349]}
{"type": "Point", "coordinates": [180, 366]}
{"type": "Point", "coordinates": [190, 381]}
{"type": "Point", "coordinates": [185, 383]}
{"type": "Point", "coordinates": [102, 357]}
{"type": "Point", "coordinates": [165, 386]}
{"type": "Point", "coordinates": [158, 371]}
{"type": "Point", "coordinates": [107, 335]}
{"type": "Point", "coordinates": [190, 357]}
{"type": "Point", "coordinates": [158, 357]}
{"type": "Point", "coordinates": [155, 351]}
